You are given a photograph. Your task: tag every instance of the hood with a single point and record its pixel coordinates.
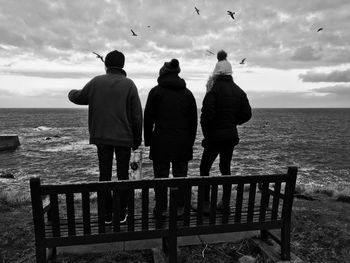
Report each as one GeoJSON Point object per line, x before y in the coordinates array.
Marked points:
{"type": "Point", "coordinates": [171, 81]}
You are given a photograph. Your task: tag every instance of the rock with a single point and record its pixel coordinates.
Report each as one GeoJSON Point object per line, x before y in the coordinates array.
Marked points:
{"type": "Point", "coordinates": [9, 142]}
{"type": "Point", "coordinates": [56, 136]}
{"type": "Point", "coordinates": [47, 138]}
{"type": "Point", "coordinates": [7, 176]}
{"type": "Point", "coordinates": [247, 259]}
{"type": "Point", "coordinates": [344, 198]}
{"type": "Point", "coordinates": [306, 197]}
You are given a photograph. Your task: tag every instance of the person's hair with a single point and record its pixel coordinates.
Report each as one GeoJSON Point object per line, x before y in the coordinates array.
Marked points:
{"type": "Point", "coordinates": [221, 55]}
{"type": "Point", "coordinates": [115, 59]}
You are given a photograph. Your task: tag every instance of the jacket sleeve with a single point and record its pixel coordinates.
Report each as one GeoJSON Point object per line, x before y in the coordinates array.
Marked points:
{"type": "Point", "coordinates": [150, 115]}
{"type": "Point", "coordinates": [245, 111]}
{"type": "Point", "coordinates": [208, 112]}
{"type": "Point", "coordinates": [136, 116]}
{"type": "Point", "coordinates": [81, 97]}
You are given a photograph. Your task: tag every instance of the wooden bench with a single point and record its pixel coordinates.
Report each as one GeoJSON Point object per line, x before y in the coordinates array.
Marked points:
{"type": "Point", "coordinates": [75, 212]}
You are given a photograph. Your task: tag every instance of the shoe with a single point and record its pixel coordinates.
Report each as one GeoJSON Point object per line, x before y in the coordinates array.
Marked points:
{"type": "Point", "coordinates": [123, 219]}
{"type": "Point", "coordinates": [108, 219]}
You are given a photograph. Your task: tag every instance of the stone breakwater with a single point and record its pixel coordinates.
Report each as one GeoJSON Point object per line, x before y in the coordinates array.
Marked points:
{"type": "Point", "coordinates": [9, 142]}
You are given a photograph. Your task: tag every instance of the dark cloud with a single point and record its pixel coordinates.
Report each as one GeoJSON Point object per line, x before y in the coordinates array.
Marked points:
{"type": "Point", "coordinates": [52, 74]}
{"type": "Point", "coordinates": [341, 91]}
{"type": "Point", "coordinates": [334, 76]}
{"type": "Point", "coordinates": [315, 99]}
{"type": "Point", "coordinates": [306, 53]}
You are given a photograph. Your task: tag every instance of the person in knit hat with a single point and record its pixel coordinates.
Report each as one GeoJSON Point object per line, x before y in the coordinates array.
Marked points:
{"type": "Point", "coordinates": [222, 67]}
{"type": "Point", "coordinates": [225, 106]}
{"type": "Point", "coordinates": [170, 127]}
{"type": "Point", "coordinates": [115, 122]}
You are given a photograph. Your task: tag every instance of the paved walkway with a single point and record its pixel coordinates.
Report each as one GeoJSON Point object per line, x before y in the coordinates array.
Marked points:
{"type": "Point", "coordinates": [156, 243]}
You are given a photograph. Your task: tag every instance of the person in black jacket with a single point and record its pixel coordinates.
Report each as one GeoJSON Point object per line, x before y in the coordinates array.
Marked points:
{"type": "Point", "coordinates": [170, 126]}
{"type": "Point", "coordinates": [224, 107]}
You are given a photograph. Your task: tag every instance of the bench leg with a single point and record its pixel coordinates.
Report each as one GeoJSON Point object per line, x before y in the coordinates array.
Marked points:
{"type": "Point", "coordinates": [285, 243]}
{"type": "Point", "coordinates": [170, 248]}
{"type": "Point", "coordinates": [51, 253]}
{"type": "Point", "coordinates": [263, 235]}
{"type": "Point", "coordinates": [40, 254]}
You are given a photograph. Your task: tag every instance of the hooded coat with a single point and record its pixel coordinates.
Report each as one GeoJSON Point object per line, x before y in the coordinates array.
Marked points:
{"type": "Point", "coordinates": [170, 120]}
{"type": "Point", "coordinates": [224, 107]}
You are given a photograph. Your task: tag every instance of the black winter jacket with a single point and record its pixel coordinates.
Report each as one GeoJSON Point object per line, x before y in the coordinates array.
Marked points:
{"type": "Point", "coordinates": [224, 107]}
{"type": "Point", "coordinates": [170, 120]}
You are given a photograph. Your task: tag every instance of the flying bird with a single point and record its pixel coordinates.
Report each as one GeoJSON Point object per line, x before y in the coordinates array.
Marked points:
{"type": "Point", "coordinates": [133, 33]}
{"type": "Point", "coordinates": [320, 29]}
{"type": "Point", "coordinates": [211, 53]}
{"type": "Point", "coordinates": [242, 62]}
{"type": "Point", "coordinates": [230, 13]}
{"type": "Point", "coordinates": [98, 56]}
{"type": "Point", "coordinates": [197, 10]}
{"type": "Point", "coordinates": [148, 26]}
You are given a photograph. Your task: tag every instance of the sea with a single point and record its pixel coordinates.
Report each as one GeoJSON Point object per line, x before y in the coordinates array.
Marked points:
{"type": "Point", "coordinates": [55, 147]}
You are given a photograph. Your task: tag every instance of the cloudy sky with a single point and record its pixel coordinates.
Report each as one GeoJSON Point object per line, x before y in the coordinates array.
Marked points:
{"type": "Point", "coordinates": [46, 47]}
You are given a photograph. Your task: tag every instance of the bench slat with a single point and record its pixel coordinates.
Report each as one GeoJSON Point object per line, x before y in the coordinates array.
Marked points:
{"type": "Point", "coordinates": [275, 202]}
{"type": "Point", "coordinates": [239, 199]}
{"type": "Point", "coordinates": [213, 201]}
{"type": "Point", "coordinates": [200, 198]}
{"type": "Point", "coordinates": [264, 201]}
{"type": "Point", "coordinates": [131, 210]}
{"type": "Point", "coordinates": [70, 213]}
{"type": "Point", "coordinates": [145, 208]}
{"type": "Point", "coordinates": [226, 195]}
{"type": "Point", "coordinates": [85, 197]}
{"type": "Point", "coordinates": [101, 210]}
{"type": "Point", "coordinates": [116, 211]}
{"type": "Point", "coordinates": [55, 217]}
{"type": "Point", "coordinates": [251, 202]}
{"type": "Point", "coordinates": [187, 204]}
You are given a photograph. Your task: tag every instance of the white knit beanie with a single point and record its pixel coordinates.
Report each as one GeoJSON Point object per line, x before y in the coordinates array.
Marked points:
{"type": "Point", "coordinates": [223, 67]}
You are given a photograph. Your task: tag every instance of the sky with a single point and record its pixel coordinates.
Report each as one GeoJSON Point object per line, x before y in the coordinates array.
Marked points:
{"type": "Point", "coordinates": [46, 48]}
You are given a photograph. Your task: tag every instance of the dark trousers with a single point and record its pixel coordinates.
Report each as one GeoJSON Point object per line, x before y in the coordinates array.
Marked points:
{"type": "Point", "coordinates": [161, 170]}
{"type": "Point", "coordinates": [210, 153]}
{"type": "Point", "coordinates": [105, 160]}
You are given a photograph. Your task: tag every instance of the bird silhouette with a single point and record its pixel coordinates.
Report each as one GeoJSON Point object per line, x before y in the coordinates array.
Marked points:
{"type": "Point", "coordinates": [211, 53]}
{"type": "Point", "coordinates": [197, 10]}
{"type": "Point", "coordinates": [148, 26]}
{"type": "Point", "coordinates": [98, 56]}
{"type": "Point", "coordinates": [242, 62]}
{"type": "Point", "coordinates": [133, 33]}
{"type": "Point", "coordinates": [230, 13]}
{"type": "Point", "coordinates": [320, 29]}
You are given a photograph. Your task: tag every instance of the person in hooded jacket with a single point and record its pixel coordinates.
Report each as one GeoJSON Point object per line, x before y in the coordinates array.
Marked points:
{"type": "Point", "coordinates": [225, 106]}
{"type": "Point", "coordinates": [170, 127]}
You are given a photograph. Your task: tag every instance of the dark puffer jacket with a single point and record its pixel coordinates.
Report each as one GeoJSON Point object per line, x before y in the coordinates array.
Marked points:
{"type": "Point", "coordinates": [170, 120]}
{"type": "Point", "coordinates": [224, 107]}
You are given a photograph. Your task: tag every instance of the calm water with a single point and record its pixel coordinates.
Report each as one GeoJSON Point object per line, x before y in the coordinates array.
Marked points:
{"type": "Point", "coordinates": [315, 140]}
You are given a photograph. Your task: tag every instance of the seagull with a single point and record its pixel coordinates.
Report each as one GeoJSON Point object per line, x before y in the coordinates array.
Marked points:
{"type": "Point", "coordinates": [133, 33]}
{"type": "Point", "coordinates": [230, 13]}
{"type": "Point", "coordinates": [98, 56]}
{"type": "Point", "coordinates": [320, 29]}
{"type": "Point", "coordinates": [242, 62]}
{"type": "Point", "coordinates": [211, 53]}
{"type": "Point", "coordinates": [197, 10]}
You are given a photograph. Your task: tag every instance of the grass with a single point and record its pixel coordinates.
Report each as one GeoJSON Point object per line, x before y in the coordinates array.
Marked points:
{"type": "Point", "coordinates": [320, 233]}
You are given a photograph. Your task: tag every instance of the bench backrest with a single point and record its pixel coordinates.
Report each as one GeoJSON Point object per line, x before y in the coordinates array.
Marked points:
{"type": "Point", "coordinates": [274, 203]}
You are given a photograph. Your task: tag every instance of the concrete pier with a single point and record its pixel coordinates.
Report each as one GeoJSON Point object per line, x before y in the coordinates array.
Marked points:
{"type": "Point", "coordinates": [9, 142]}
